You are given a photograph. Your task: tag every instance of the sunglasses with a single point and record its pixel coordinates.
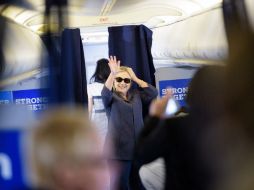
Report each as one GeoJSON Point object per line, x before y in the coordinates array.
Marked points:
{"type": "Point", "coordinates": [126, 80]}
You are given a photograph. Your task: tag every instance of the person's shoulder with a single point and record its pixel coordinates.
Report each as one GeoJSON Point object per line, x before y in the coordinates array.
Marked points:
{"type": "Point", "coordinates": [90, 85]}
{"type": "Point", "coordinates": [176, 126]}
{"type": "Point", "coordinates": [95, 85]}
{"type": "Point", "coordinates": [177, 120]}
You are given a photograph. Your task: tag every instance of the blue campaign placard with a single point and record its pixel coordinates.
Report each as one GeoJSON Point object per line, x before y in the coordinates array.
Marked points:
{"type": "Point", "coordinates": [179, 87]}
{"type": "Point", "coordinates": [35, 99]}
{"type": "Point", "coordinates": [5, 97]}
{"type": "Point", "coordinates": [11, 171]}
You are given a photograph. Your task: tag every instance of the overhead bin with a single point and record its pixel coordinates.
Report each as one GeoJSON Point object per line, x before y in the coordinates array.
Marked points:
{"type": "Point", "coordinates": [23, 53]}
{"type": "Point", "coordinates": [200, 37]}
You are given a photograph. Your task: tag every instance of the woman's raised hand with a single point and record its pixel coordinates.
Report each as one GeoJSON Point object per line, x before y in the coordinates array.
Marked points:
{"type": "Point", "coordinates": [114, 65]}
{"type": "Point", "coordinates": [132, 74]}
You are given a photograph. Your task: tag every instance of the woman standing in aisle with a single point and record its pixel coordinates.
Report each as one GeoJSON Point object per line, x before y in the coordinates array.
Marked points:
{"type": "Point", "coordinates": [124, 111]}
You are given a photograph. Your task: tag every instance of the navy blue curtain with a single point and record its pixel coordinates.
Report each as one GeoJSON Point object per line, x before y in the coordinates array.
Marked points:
{"type": "Point", "coordinates": [73, 71]}
{"type": "Point", "coordinates": [67, 78]}
{"type": "Point", "coordinates": [132, 45]}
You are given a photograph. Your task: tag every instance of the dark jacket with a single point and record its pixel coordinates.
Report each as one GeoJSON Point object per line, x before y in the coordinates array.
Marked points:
{"type": "Point", "coordinates": [176, 140]}
{"type": "Point", "coordinates": [125, 119]}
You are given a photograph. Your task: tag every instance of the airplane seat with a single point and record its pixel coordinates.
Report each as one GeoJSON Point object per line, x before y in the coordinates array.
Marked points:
{"type": "Point", "coordinates": [200, 37]}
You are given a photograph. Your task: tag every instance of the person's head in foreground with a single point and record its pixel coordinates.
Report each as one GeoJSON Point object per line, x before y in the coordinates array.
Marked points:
{"type": "Point", "coordinates": [67, 152]}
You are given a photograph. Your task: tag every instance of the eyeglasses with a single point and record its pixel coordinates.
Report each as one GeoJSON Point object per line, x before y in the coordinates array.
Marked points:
{"type": "Point", "coordinates": [126, 80]}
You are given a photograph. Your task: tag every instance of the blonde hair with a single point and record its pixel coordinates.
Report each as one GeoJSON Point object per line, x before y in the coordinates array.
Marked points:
{"type": "Point", "coordinates": [64, 134]}
{"type": "Point", "coordinates": [123, 69]}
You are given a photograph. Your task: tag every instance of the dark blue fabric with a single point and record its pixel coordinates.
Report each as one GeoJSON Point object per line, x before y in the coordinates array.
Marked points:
{"type": "Point", "coordinates": [73, 72]}
{"type": "Point", "coordinates": [53, 46]}
{"type": "Point", "coordinates": [125, 119]}
{"type": "Point", "coordinates": [67, 80]}
{"type": "Point", "coordinates": [132, 45]}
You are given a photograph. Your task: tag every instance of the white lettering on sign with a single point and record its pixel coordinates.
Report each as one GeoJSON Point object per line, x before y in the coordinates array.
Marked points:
{"type": "Point", "coordinates": [180, 96]}
{"type": "Point", "coordinates": [5, 167]}
{"type": "Point", "coordinates": [40, 103]}
{"type": "Point", "coordinates": [179, 93]}
{"type": "Point", "coordinates": [183, 90]}
{"type": "Point", "coordinates": [32, 100]}
{"type": "Point", "coordinates": [36, 107]}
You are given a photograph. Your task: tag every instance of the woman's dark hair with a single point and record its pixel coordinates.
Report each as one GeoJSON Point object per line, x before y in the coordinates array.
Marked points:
{"type": "Point", "coordinates": [102, 71]}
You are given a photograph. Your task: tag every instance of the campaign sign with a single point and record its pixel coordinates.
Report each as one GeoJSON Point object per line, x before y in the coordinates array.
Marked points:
{"type": "Point", "coordinates": [5, 97]}
{"type": "Point", "coordinates": [11, 176]}
{"type": "Point", "coordinates": [179, 87]}
{"type": "Point", "coordinates": [36, 99]}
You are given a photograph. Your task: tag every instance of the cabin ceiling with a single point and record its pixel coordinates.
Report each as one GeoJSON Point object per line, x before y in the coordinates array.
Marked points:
{"type": "Point", "coordinates": [96, 14]}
